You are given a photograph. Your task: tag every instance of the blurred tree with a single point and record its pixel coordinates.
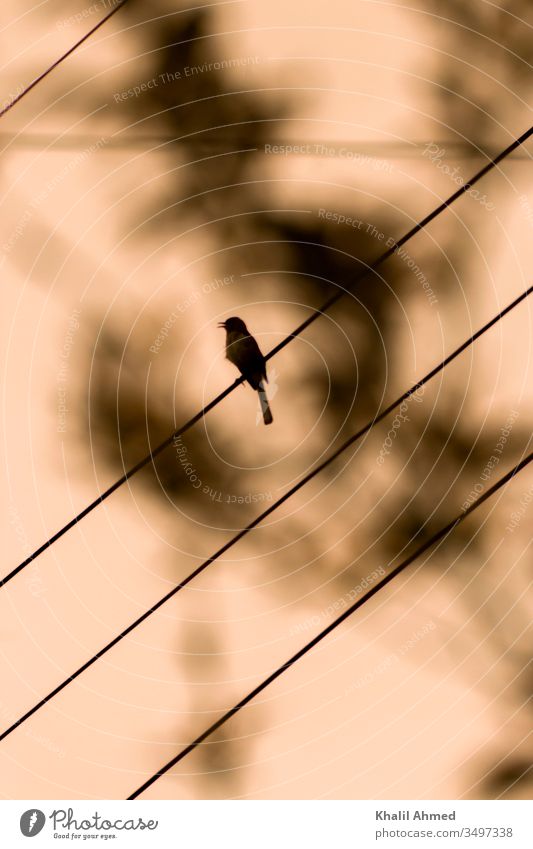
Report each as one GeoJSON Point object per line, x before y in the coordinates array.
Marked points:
{"type": "Point", "coordinates": [205, 113]}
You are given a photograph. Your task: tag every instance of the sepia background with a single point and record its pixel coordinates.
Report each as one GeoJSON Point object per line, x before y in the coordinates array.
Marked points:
{"type": "Point", "coordinates": [188, 164]}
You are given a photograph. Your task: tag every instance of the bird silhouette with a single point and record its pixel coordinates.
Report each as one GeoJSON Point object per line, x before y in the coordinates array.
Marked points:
{"type": "Point", "coordinates": [243, 351]}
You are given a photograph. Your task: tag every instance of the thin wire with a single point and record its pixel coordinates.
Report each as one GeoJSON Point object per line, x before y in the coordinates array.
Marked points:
{"type": "Point", "coordinates": [324, 633]}
{"type": "Point", "coordinates": [175, 590]}
{"type": "Point", "coordinates": [314, 315]}
{"type": "Point", "coordinates": [208, 407]}
{"type": "Point", "coordinates": [140, 465]}
{"type": "Point", "coordinates": [409, 235]}
{"type": "Point", "coordinates": [61, 59]}
{"type": "Point", "coordinates": [122, 139]}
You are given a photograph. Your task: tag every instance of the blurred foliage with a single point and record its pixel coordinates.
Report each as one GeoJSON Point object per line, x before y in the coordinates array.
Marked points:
{"type": "Point", "coordinates": [496, 39]}
{"type": "Point", "coordinates": [478, 111]}
{"type": "Point", "coordinates": [202, 115]}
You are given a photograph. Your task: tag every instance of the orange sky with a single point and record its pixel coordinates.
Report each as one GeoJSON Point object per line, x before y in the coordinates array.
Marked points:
{"type": "Point", "coordinates": [420, 725]}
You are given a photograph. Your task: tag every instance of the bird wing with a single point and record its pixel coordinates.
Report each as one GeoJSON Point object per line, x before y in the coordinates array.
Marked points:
{"type": "Point", "coordinates": [243, 351]}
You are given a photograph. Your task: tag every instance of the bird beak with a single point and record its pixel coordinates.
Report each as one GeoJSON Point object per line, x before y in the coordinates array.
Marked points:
{"type": "Point", "coordinates": [222, 324]}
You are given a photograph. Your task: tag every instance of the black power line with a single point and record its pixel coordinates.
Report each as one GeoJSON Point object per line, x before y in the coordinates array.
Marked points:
{"type": "Point", "coordinates": [409, 235]}
{"type": "Point", "coordinates": [301, 483]}
{"type": "Point", "coordinates": [331, 627]}
{"type": "Point", "coordinates": [313, 317]}
{"type": "Point", "coordinates": [61, 59]}
{"type": "Point", "coordinates": [122, 139]}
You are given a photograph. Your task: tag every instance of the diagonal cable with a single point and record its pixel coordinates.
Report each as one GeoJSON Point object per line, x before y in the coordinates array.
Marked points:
{"type": "Point", "coordinates": [313, 317]}
{"type": "Point", "coordinates": [301, 483]}
{"type": "Point", "coordinates": [409, 235]}
{"type": "Point", "coordinates": [61, 59]}
{"type": "Point", "coordinates": [443, 532]}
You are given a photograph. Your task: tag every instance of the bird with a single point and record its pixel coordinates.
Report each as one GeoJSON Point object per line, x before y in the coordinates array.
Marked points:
{"type": "Point", "coordinates": [243, 351]}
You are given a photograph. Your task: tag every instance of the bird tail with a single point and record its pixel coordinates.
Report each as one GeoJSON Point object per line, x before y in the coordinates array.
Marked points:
{"type": "Point", "coordinates": [263, 400]}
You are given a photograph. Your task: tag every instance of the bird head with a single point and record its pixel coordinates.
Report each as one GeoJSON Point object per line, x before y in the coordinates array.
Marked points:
{"type": "Point", "coordinates": [233, 325]}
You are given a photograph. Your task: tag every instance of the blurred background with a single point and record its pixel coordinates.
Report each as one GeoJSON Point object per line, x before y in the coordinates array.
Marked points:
{"type": "Point", "coordinates": [249, 158]}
